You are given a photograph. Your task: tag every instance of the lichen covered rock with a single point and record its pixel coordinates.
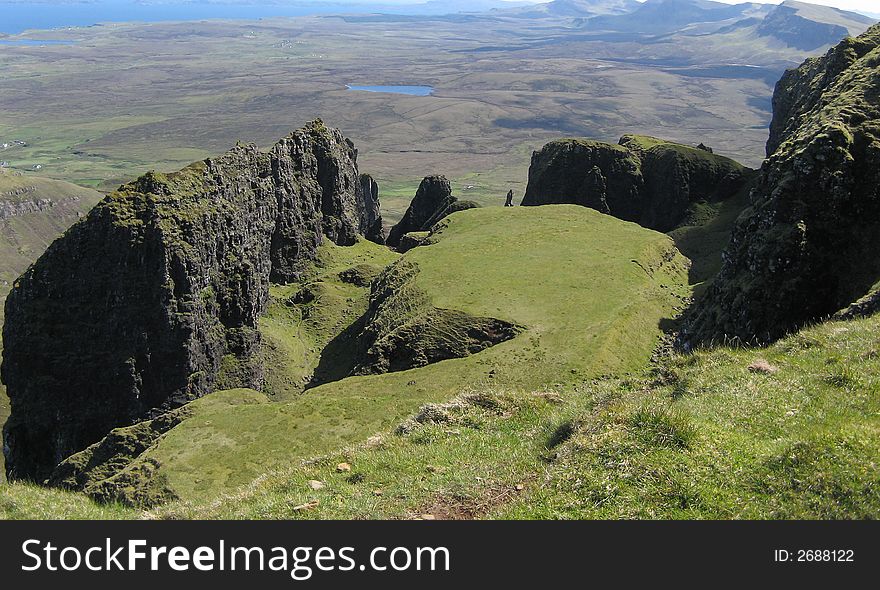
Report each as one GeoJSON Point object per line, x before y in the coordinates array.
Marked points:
{"type": "Point", "coordinates": [152, 300]}
{"type": "Point", "coordinates": [810, 243]}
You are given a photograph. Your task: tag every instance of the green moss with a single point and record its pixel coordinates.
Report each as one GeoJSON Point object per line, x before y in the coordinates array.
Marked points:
{"type": "Point", "coordinates": [403, 330]}
{"type": "Point", "coordinates": [643, 145]}
{"type": "Point", "coordinates": [303, 319]}
{"type": "Point", "coordinates": [705, 233]}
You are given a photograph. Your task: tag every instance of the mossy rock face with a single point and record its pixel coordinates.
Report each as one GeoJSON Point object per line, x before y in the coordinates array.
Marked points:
{"type": "Point", "coordinates": [643, 179]}
{"type": "Point", "coordinates": [433, 202]}
{"type": "Point", "coordinates": [108, 470]}
{"type": "Point", "coordinates": [808, 246]}
{"type": "Point", "coordinates": [801, 89]}
{"type": "Point", "coordinates": [153, 299]}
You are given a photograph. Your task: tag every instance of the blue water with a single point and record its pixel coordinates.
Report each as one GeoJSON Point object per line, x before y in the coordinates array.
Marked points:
{"type": "Point", "coordinates": [17, 17]}
{"type": "Point", "coordinates": [35, 42]}
{"type": "Point", "coordinates": [411, 90]}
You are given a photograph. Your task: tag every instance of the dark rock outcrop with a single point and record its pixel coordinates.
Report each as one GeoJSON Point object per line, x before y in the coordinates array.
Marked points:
{"type": "Point", "coordinates": [152, 300]}
{"type": "Point", "coordinates": [433, 202]}
{"type": "Point", "coordinates": [642, 179]}
{"type": "Point", "coordinates": [371, 218]}
{"type": "Point", "coordinates": [413, 239]}
{"type": "Point", "coordinates": [810, 243]}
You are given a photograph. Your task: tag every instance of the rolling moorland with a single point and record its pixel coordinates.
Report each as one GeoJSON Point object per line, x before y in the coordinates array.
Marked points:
{"type": "Point", "coordinates": [120, 99]}
{"type": "Point", "coordinates": [526, 362]}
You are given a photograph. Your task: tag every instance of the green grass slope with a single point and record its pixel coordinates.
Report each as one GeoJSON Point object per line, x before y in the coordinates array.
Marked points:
{"type": "Point", "coordinates": [787, 432]}
{"type": "Point", "coordinates": [590, 291]}
{"type": "Point", "coordinates": [33, 212]}
{"type": "Point", "coordinates": [27, 501]}
{"type": "Point", "coordinates": [303, 319]}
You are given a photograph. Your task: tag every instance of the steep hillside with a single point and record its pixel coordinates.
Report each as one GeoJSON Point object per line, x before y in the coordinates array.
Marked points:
{"type": "Point", "coordinates": [510, 264]}
{"type": "Point", "coordinates": [153, 299]}
{"type": "Point", "coordinates": [33, 212]}
{"type": "Point", "coordinates": [790, 431]}
{"type": "Point", "coordinates": [809, 27]}
{"type": "Point", "coordinates": [808, 246]}
{"type": "Point", "coordinates": [572, 9]}
{"type": "Point", "coordinates": [787, 432]}
{"type": "Point", "coordinates": [667, 16]}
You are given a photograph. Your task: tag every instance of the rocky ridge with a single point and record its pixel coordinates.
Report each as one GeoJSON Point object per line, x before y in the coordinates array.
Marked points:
{"type": "Point", "coordinates": [153, 299]}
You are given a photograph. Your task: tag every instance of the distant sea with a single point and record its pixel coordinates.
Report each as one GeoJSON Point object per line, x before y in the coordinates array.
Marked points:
{"type": "Point", "coordinates": [16, 17]}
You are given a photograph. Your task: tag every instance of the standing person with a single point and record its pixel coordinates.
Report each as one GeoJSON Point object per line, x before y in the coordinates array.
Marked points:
{"type": "Point", "coordinates": [509, 201]}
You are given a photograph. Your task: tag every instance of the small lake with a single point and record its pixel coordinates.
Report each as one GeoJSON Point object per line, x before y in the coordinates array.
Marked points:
{"type": "Point", "coordinates": [35, 42]}
{"type": "Point", "coordinates": [410, 90]}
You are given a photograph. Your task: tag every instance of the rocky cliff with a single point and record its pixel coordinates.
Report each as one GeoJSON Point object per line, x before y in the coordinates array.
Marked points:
{"type": "Point", "coordinates": [371, 218]}
{"type": "Point", "coordinates": [642, 179]}
{"type": "Point", "coordinates": [433, 202]}
{"type": "Point", "coordinates": [810, 243]}
{"type": "Point", "coordinates": [800, 90]}
{"type": "Point", "coordinates": [153, 299]}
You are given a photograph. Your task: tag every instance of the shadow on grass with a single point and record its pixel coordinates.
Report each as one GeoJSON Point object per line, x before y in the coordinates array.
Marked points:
{"type": "Point", "coordinates": [339, 357]}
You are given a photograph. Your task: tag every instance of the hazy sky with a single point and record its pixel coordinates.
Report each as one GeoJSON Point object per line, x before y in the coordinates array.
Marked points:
{"type": "Point", "coordinates": [860, 5]}
{"type": "Point", "coordinates": [863, 5]}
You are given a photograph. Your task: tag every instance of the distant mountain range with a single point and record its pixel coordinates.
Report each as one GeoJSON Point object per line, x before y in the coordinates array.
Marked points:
{"type": "Point", "coordinates": [575, 8]}
{"type": "Point", "coordinates": [796, 24]}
